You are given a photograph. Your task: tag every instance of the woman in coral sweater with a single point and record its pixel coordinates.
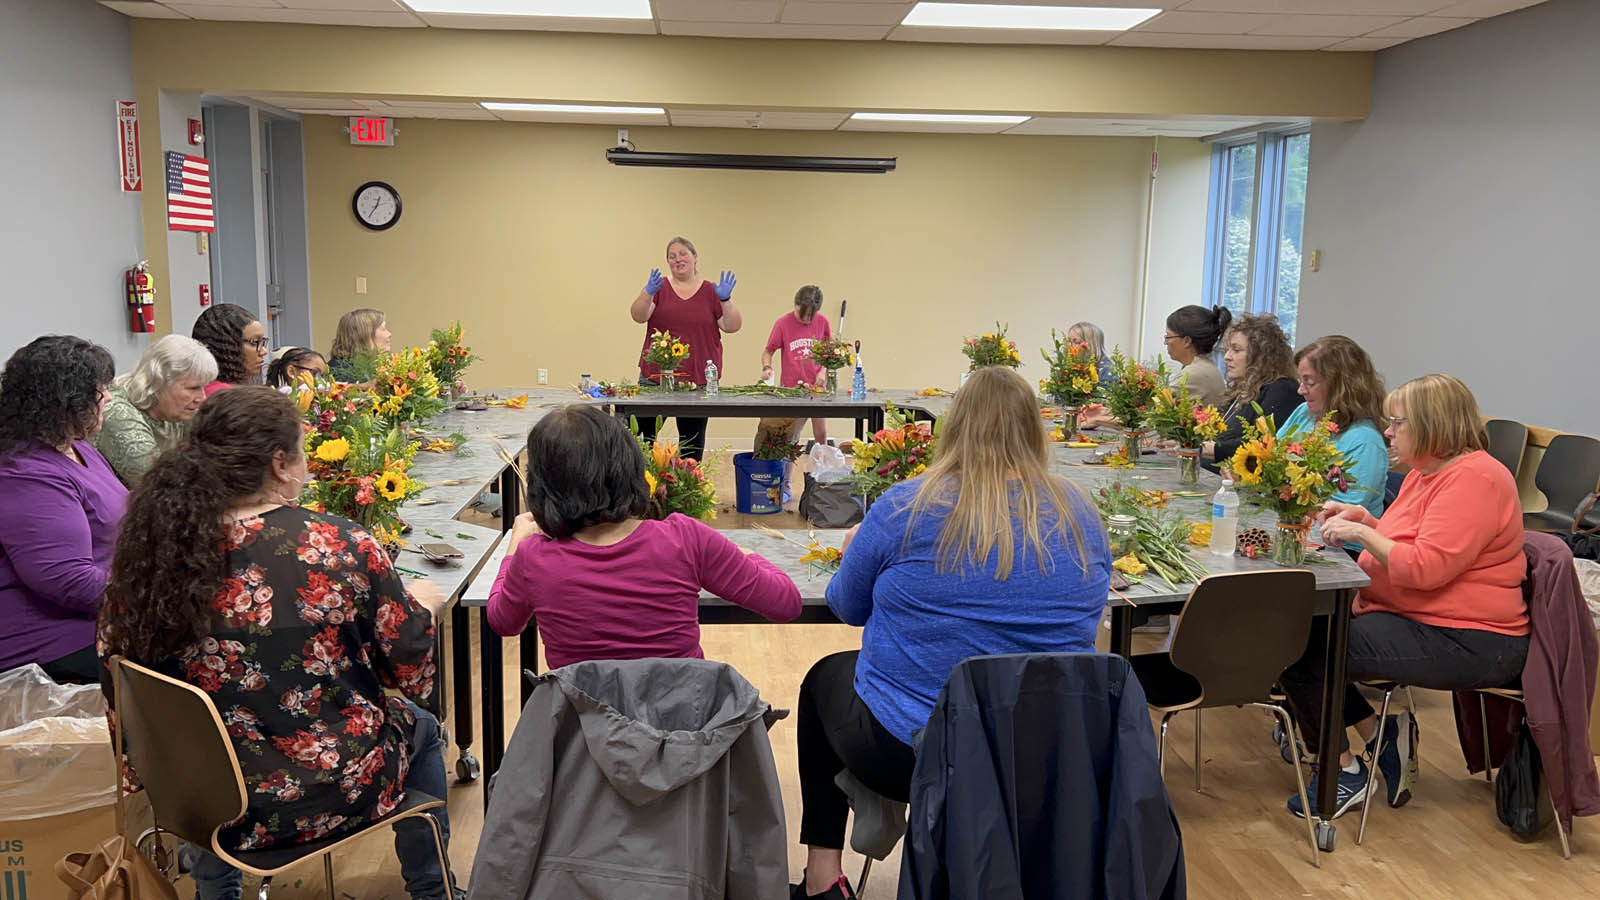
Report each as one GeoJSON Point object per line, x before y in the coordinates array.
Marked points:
{"type": "Point", "coordinates": [1445, 609]}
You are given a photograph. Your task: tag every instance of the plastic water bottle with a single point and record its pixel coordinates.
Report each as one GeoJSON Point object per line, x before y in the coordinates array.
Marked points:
{"type": "Point", "coordinates": [585, 383]}
{"type": "Point", "coordinates": [858, 383]}
{"type": "Point", "coordinates": [713, 387]}
{"type": "Point", "coordinates": [1224, 518]}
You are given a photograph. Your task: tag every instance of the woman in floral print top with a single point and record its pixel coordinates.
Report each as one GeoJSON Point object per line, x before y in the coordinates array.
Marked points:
{"type": "Point", "coordinates": [294, 642]}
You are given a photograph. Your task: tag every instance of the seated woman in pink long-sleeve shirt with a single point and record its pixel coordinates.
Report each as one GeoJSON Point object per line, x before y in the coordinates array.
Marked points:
{"type": "Point", "coordinates": [602, 582]}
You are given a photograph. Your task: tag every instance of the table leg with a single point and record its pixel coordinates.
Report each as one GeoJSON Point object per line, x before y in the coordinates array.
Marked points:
{"type": "Point", "coordinates": [467, 767]}
{"type": "Point", "coordinates": [1334, 740]}
{"type": "Point", "coordinates": [493, 699]}
{"type": "Point", "coordinates": [510, 497]}
{"type": "Point", "coordinates": [1122, 630]}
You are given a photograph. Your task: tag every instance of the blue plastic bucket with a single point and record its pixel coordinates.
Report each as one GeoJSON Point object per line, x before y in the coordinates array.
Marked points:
{"type": "Point", "coordinates": [757, 484]}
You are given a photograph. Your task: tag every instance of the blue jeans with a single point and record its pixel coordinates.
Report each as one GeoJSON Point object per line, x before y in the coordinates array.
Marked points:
{"type": "Point", "coordinates": [413, 839]}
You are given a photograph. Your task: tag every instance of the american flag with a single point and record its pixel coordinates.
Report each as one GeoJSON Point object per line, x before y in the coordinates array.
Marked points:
{"type": "Point", "coordinates": [189, 193]}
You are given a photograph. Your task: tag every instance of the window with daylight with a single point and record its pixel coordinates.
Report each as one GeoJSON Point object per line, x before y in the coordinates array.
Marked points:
{"type": "Point", "coordinates": [1254, 225]}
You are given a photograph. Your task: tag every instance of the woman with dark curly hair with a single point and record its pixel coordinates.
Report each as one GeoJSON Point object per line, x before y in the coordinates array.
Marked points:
{"type": "Point", "coordinates": [294, 623]}
{"type": "Point", "coordinates": [237, 341]}
{"type": "Point", "coordinates": [63, 505]}
{"type": "Point", "coordinates": [1260, 366]}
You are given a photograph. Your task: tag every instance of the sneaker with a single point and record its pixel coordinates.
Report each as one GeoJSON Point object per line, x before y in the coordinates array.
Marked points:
{"type": "Point", "coordinates": [1352, 791]}
{"type": "Point", "coordinates": [1281, 737]}
{"type": "Point", "coordinates": [839, 890]}
{"type": "Point", "coordinates": [1397, 758]}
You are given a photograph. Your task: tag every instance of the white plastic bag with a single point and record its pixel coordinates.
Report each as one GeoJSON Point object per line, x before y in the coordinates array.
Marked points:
{"type": "Point", "coordinates": [1589, 581]}
{"type": "Point", "coordinates": [55, 748]}
{"type": "Point", "coordinates": [829, 464]}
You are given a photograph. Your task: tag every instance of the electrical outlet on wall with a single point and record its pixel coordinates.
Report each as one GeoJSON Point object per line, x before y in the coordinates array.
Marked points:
{"type": "Point", "coordinates": [544, 376]}
{"type": "Point", "coordinates": [361, 284]}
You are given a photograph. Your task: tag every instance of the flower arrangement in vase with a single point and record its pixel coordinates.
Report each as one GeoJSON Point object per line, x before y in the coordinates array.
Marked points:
{"type": "Point", "coordinates": [677, 483]}
{"type": "Point", "coordinates": [1074, 379]}
{"type": "Point", "coordinates": [666, 353]}
{"type": "Point", "coordinates": [832, 354]}
{"type": "Point", "coordinates": [449, 358]}
{"type": "Point", "coordinates": [991, 349]}
{"type": "Point", "coordinates": [1177, 416]}
{"type": "Point", "coordinates": [1292, 475]}
{"type": "Point", "coordinates": [405, 389]}
{"type": "Point", "coordinates": [900, 450]}
{"type": "Point", "coordinates": [359, 463]}
{"type": "Point", "coordinates": [1128, 393]}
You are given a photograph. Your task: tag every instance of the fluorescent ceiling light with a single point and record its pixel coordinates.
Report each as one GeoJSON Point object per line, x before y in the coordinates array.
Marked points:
{"type": "Point", "coordinates": [1066, 18]}
{"type": "Point", "coordinates": [576, 108]}
{"type": "Point", "coordinates": [569, 9]}
{"type": "Point", "coordinates": [939, 118]}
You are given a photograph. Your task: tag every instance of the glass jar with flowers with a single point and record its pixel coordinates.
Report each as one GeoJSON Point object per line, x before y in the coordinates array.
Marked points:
{"type": "Point", "coordinates": [832, 354]}
{"type": "Point", "coordinates": [1292, 475]}
{"type": "Point", "coordinates": [991, 349]}
{"type": "Point", "coordinates": [666, 353]}
{"type": "Point", "coordinates": [1176, 415]}
{"type": "Point", "coordinates": [1074, 378]}
{"type": "Point", "coordinates": [1127, 396]}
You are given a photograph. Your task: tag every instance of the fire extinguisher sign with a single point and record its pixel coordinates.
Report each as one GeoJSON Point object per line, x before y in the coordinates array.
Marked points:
{"type": "Point", "coordinates": [128, 145]}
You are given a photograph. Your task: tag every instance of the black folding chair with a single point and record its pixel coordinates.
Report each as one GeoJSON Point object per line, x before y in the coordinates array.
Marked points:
{"type": "Point", "coordinates": [1568, 474]}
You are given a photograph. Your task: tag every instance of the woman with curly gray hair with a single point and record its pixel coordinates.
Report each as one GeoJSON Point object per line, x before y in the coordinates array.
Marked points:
{"type": "Point", "coordinates": [150, 407]}
{"type": "Point", "coordinates": [63, 506]}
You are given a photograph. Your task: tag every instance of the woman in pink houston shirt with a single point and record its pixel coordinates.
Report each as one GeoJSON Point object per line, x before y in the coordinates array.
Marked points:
{"type": "Point", "coordinates": [601, 582]}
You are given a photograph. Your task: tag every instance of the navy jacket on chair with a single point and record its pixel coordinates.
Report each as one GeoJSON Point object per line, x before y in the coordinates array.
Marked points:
{"type": "Point", "coordinates": [1036, 777]}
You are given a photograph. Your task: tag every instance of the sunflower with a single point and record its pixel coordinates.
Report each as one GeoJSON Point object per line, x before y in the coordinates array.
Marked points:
{"type": "Point", "coordinates": [1248, 462]}
{"type": "Point", "coordinates": [680, 349]}
{"type": "Point", "coordinates": [392, 485]}
{"type": "Point", "coordinates": [333, 450]}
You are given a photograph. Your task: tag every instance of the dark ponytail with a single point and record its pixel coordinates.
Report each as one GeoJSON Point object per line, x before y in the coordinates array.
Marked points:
{"type": "Point", "coordinates": [278, 372]}
{"type": "Point", "coordinates": [171, 556]}
{"type": "Point", "coordinates": [1205, 327]}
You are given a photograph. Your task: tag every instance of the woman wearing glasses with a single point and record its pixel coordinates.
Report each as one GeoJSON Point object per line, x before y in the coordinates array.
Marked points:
{"type": "Point", "coordinates": [1192, 334]}
{"type": "Point", "coordinates": [237, 341]}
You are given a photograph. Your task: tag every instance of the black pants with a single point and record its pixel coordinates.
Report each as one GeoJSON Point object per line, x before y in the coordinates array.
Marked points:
{"type": "Point", "coordinates": [1384, 646]}
{"type": "Point", "coordinates": [838, 732]}
{"type": "Point", "coordinates": [82, 667]}
{"type": "Point", "coordinates": [691, 435]}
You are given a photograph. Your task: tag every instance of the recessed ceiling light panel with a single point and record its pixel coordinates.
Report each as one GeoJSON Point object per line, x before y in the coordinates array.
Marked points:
{"type": "Point", "coordinates": [939, 118]}
{"type": "Point", "coordinates": [1055, 18]}
{"type": "Point", "coordinates": [576, 108]}
{"type": "Point", "coordinates": [568, 9]}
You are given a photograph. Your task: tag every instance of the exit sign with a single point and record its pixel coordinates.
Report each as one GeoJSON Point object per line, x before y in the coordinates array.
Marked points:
{"type": "Point", "coordinates": [371, 131]}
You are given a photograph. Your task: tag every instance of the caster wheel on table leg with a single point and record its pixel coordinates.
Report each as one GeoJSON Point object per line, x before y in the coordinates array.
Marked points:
{"type": "Point", "coordinates": [467, 768]}
{"type": "Point", "coordinates": [1327, 836]}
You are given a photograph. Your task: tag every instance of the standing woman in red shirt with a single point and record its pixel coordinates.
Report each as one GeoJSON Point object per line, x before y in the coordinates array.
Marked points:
{"type": "Point", "coordinates": [1445, 609]}
{"type": "Point", "coordinates": [694, 311]}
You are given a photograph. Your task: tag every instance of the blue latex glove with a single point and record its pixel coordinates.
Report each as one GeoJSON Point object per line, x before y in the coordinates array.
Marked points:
{"type": "Point", "coordinates": [654, 284]}
{"type": "Point", "coordinates": [595, 391]}
{"type": "Point", "coordinates": [725, 286]}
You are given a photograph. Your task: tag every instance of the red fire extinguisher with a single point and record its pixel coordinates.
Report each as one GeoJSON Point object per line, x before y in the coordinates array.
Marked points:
{"type": "Point", "coordinates": [141, 286]}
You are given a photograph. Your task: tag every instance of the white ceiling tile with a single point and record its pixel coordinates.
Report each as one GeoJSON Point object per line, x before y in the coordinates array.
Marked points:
{"type": "Point", "coordinates": [143, 9]}
{"type": "Point", "coordinates": [346, 5]}
{"type": "Point", "coordinates": [1366, 44]}
{"type": "Point", "coordinates": [758, 30]}
{"type": "Point", "coordinates": [579, 118]}
{"type": "Point", "coordinates": [330, 103]}
{"type": "Point", "coordinates": [256, 3]}
{"type": "Point", "coordinates": [925, 127]}
{"type": "Point", "coordinates": [320, 111]}
{"type": "Point", "coordinates": [1482, 9]}
{"type": "Point", "coordinates": [763, 119]}
{"type": "Point", "coordinates": [1326, 26]}
{"type": "Point", "coordinates": [810, 12]}
{"type": "Point", "coordinates": [718, 10]}
{"type": "Point", "coordinates": [1067, 126]}
{"type": "Point", "coordinates": [303, 16]}
{"type": "Point", "coordinates": [457, 111]}
{"type": "Point", "coordinates": [1179, 22]}
{"type": "Point", "coordinates": [1222, 41]}
{"type": "Point", "coordinates": [1342, 7]}
{"type": "Point", "coordinates": [941, 34]}
{"type": "Point", "coordinates": [1421, 26]}
{"type": "Point", "coordinates": [538, 23]}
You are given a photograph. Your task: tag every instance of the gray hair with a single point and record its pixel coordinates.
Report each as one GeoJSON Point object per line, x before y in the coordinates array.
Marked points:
{"type": "Point", "coordinates": [168, 359]}
{"type": "Point", "coordinates": [1090, 334]}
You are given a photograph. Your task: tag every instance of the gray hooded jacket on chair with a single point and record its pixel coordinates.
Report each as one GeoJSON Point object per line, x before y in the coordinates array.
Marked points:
{"type": "Point", "coordinates": [650, 779]}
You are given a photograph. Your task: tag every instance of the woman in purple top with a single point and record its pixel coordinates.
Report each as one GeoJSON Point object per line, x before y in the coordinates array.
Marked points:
{"type": "Point", "coordinates": [63, 505]}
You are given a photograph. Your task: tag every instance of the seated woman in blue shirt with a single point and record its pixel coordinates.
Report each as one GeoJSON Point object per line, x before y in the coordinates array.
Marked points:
{"type": "Point", "coordinates": [989, 552]}
{"type": "Point", "coordinates": [1337, 377]}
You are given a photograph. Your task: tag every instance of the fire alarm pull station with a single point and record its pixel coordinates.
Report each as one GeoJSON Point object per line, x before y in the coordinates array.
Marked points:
{"type": "Point", "coordinates": [205, 295]}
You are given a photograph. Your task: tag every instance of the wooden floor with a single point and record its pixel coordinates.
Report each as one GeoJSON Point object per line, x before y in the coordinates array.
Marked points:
{"type": "Point", "coordinates": [1239, 839]}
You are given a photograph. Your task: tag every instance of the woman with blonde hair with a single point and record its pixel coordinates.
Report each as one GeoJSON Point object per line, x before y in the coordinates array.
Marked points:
{"type": "Point", "coordinates": [1338, 379]}
{"type": "Point", "coordinates": [360, 331]}
{"type": "Point", "coordinates": [1445, 609]}
{"type": "Point", "coordinates": [988, 552]}
{"type": "Point", "coordinates": [1260, 370]}
{"type": "Point", "coordinates": [150, 408]}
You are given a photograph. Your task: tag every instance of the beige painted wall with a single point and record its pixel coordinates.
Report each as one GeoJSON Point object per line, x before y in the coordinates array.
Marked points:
{"type": "Point", "coordinates": [527, 235]}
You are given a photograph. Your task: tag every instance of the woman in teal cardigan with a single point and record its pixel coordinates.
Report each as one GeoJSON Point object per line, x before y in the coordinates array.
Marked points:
{"type": "Point", "coordinates": [1337, 378]}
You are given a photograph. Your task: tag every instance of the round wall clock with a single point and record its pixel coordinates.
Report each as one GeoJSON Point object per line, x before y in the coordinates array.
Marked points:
{"type": "Point", "coordinates": [376, 205]}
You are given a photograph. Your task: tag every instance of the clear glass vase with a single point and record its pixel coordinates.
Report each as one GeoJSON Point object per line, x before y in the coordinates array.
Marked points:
{"type": "Point", "coordinates": [1069, 422]}
{"type": "Point", "coordinates": [669, 381]}
{"type": "Point", "coordinates": [832, 384]}
{"type": "Point", "coordinates": [1130, 443]}
{"type": "Point", "coordinates": [1289, 542]}
{"type": "Point", "coordinates": [1188, 465]}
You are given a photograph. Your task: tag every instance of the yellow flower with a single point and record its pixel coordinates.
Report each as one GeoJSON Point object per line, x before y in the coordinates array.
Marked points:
{"type": "Point", "coordinates": [1248, 462]}
{"type": "Point", "coordinates": [386, 534]}
{"type": "Point", "coordinates": [333, 450]}
{"type": "Point", "coordinates": [1130, 565]}
{"type": "Point", "coordinates": [679, 349]}
{"type": "Point", "coordinates": [650, 482]}
{"type": "Point", "coordinates": [662, 453]}
{"type": "Point", "coordinates": [303, 397]}
{"type": "Point", "coordinates": [392, 485]}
